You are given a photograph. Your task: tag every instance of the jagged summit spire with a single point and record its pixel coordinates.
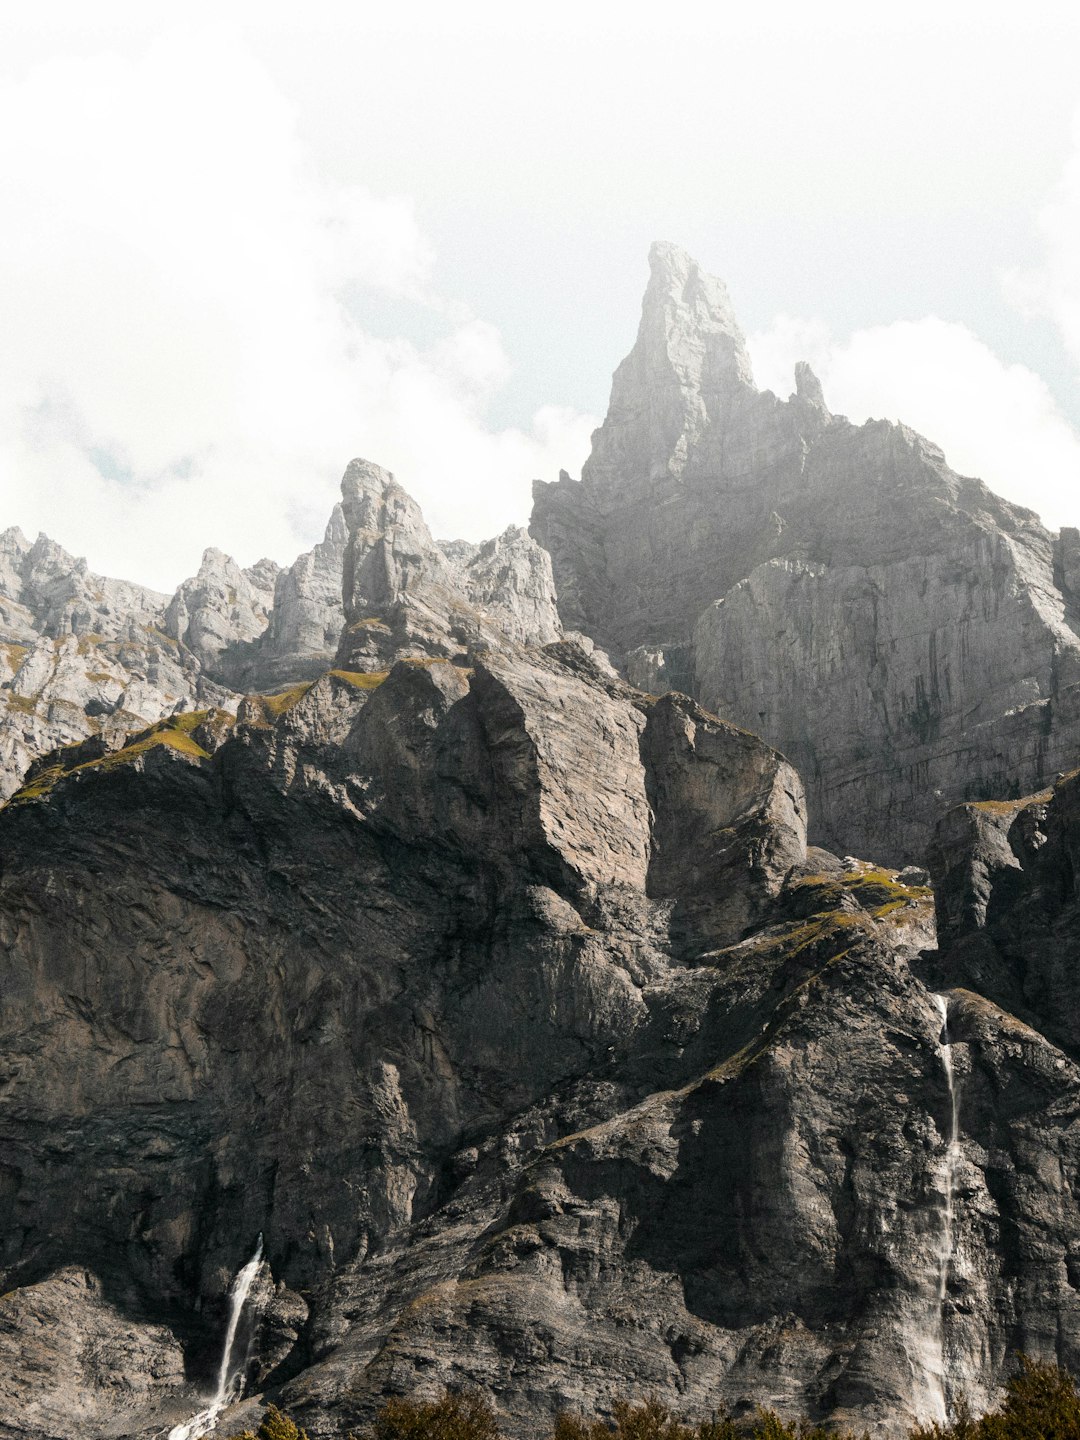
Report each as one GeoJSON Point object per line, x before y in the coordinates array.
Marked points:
{"type": "Point", "coordinates": [808, 386]}
{"type": "Point", "coordinates": [678, 284]}
{"type": "Point", "coordinates": [688, 362]}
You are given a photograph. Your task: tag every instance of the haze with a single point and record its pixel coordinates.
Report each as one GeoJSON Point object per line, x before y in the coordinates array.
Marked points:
{"type": "Point", "coordinates": [236, 254]}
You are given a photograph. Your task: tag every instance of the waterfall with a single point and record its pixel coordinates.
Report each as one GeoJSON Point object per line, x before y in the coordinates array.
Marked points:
{"type": "Point", "coordinates": [233, 1367]}
{"type": "Point", "coordinates": [947, 1245]}
{"type": "Point", "coordinates": [952, 1153]}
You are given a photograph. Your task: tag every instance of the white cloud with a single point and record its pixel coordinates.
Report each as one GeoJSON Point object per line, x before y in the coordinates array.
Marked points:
{"type": "Point", "coordinates": [178, 366]}
{"type": "Point", "coordinates": [996, 420]}
{"type": "Point", "coordinates": [1053, 289]}
{"type": "Point", "coordinates": [993, 420]}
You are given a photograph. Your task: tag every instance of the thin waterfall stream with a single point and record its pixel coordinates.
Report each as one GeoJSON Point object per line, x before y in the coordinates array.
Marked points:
{"type": "Point", "coordinates": [232, 1370]}
{"type": "Point", "coordinates": [947, 1248]}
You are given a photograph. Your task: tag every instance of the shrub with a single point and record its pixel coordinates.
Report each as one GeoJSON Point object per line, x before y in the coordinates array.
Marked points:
{"type": "Point", "coordinates": [274, 1426]}
{"type": "Point", "coordinates": [1041, 1403]}
{"type": "Point", "coordinates": [653, 1421]}
{"type": "Point", "coordinates": [465, 1416]}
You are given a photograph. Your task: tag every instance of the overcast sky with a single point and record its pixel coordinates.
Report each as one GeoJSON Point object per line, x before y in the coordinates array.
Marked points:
{"type": "Point", "coordinates": [239, 247]}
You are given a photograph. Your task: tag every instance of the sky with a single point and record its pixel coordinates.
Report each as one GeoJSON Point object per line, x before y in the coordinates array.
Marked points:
{"type": "Point", "coordinates": [239, 246]}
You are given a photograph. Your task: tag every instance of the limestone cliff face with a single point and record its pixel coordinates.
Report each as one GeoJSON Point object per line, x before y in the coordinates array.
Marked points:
{"type": "Point", "coordinates": [508, 1004]}
{"type": "Point", "coordinates": [221, 608]}
{"type": "Point", "coordinates": [82, 655]}
{"type": "Point", "coordinates": [906, 636]}
{"type": "Point", "coordinates": [405, 597]}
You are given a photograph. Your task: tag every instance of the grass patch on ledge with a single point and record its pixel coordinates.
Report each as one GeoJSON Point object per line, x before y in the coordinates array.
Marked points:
{"type": "Point", "coordinates": [25, 704]}
{"type": "Point", "coordinates": [174, 733]}
{"type": "Point", "coordinates": [361, 679]}
{"type": "Point", "coordinates": [873, 888]}
{"type": "Point", "coordinates": [280, 703]}
{"type": "Point", "coordinates": [13, 654]}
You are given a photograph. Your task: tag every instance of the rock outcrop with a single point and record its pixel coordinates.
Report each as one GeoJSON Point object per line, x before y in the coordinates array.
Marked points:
{"type": "Point", "coordinates": [81, 655]}
{"type": "Point", "coordinates": [221, 610]}
{"type": "Point", "coordinates": [507, 1003]}
{"type": "Point", "coordinates": [306, 617]}
{"type": "Point", "coordinates": [906, 636]}
{"type": "Point", "coordinates": [405, 598]}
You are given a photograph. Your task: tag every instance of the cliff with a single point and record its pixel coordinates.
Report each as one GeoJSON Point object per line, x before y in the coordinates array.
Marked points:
{"type": "Point", "coordinates": [507, 1003]}
{"type": "Point", "coordinates": [905, 635]}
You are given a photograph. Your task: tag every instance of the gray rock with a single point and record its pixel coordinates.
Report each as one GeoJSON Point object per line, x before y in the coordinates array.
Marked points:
{"type": "Point", "coordinates": [405, 599]}
{"type": "Point", "coordinates": [509, 1005]}
{"type": "Point", "coordinates": [307, 617]}
{"type": "Point", "coordinates": [222, 608]}
{"type": "Point", "coordinates": [896, 629]}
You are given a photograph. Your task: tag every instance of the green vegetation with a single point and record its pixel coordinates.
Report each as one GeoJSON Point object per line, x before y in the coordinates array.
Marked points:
{"type": "Point", "coordinates": [876, 891]}
{"type": "Point", "coordinates": [274, 706]}
{"type": "Point", "coordinates": [275, 1426]}
{"type": "Point", "coordinates": [1041, 1403]}
{"type": "Point", "coordinates": [1001, 807]}
{"type": "Point", "coordinates": [361, 679]}
{"type": "Point", "coordinates": [174, 733]}
{"type": "Point", "coordinates": [467, 1416]}
{"type": "Point", "coordinates": [13, 654]}
{"type": "Point", "coordinates": [653, 1421]}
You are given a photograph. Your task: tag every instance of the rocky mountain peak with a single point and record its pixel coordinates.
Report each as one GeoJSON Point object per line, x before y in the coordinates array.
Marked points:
{"type": "Point", "coordinates": [688, 364]}
{"type": "Point", "coordinates": [741, 547]}
{"type": "Point", "coordinates": [808, 386]}
{"type": "Point", "coordinates": [390, 549]}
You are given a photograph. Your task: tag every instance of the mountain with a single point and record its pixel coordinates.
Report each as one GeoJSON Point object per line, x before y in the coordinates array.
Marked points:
{"type": "Point", "coordinates": [907, 637]}
{"type": "Point", "coordinates": [507, 1003]}
{"type": "Point", "coordinates": [393, 931]}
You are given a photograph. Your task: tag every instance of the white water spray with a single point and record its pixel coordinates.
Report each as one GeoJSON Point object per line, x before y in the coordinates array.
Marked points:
{"type": "Point", "coordinates": [952, 1154]}
{"type": "Point", "coordinates": [232, 1372]}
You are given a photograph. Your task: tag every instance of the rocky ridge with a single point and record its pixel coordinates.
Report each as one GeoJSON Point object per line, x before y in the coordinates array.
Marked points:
{"type": "Point", "coordinates": [906, 636]}
{"type": "Point", "coordinates": [505, 999]}
{"type": "Point", "coordinates": [507, 1002]}
{"type": "Point", "coordinates": [83, 655]}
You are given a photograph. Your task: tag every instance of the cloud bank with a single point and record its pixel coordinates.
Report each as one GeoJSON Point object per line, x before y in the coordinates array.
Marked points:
{"type": "Point", "coordinates": [183, 359]}
{"type": "Point", "coordinates": [996, 420]}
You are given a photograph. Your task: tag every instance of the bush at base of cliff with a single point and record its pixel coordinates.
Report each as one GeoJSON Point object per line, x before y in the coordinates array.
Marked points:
{"type": "Point", "coordinates": [1041, 1403]}
{"type": "Point", "coordinates": [275, 1426]}
{"type": "Point", "coordinates": [653, 1421]}
{"type": "Point", "coordinates": [466, 1416]}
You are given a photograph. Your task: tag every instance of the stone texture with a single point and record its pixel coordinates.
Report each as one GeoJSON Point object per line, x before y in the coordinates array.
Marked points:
{"type": "Point", "coordinates": [306, 619]}
{"type": "Point", "coordinates": [905, 636]}
{"type": "Point", "coordinates": [80, 654]}
{"type": "Point", "coordinates": [221, 609]}
{"type": "Point", "coordinates": [405, 598]}
{"type": "Point", "coordinates": [508, 1004]}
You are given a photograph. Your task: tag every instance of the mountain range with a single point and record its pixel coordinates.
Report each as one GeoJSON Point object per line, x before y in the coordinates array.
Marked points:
{"type": "Point", "coordinates": [632, 955]}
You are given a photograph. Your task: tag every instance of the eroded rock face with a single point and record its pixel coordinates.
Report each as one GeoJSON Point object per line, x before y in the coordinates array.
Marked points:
{"type": "Point", "coordinates": [81, 655]}
{"type": "Point", "coordinates": [905, 636]}
{"type": "Point", "coordinates": [306, 618]}
{"type": "Point", "coordinates": [506, 1002]}
{"type": "Point", "coordinates": [221, 609]}
{"type": "Point", "coordinates": [405, 598]}
{"type": "Point", "coordinates": [1008, 911]}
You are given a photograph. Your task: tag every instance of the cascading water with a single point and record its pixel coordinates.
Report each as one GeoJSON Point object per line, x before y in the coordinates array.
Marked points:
{"type": "Point", "coordinates": [952, 1152]}
{"type": "Point", "coordinates": [947, 1248]}
{"type": "Point", "coordinates": [232, 1372]}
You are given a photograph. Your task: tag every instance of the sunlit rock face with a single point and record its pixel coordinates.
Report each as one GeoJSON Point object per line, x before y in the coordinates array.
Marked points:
{"type": "Point", "coordinates": [507, 1004]}
{"type": "Point", "coordinates": [366, 936]}
{"type": "Point", "coordinates": [406, 597]}
{"type": "Point", "coordinates": [82, 655]}
{"type": "Point", "coordinates": [906, 636]}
